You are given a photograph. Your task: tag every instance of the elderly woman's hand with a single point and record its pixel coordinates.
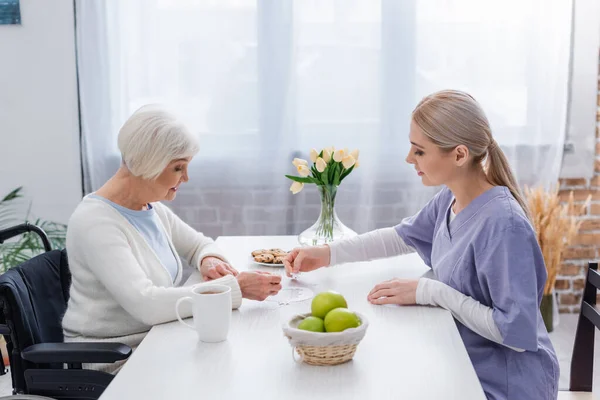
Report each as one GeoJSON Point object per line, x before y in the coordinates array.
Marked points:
{"type": "Point", "coordinates": [215, 268]}
{"type": "Point", "coordinates": [258, 285]}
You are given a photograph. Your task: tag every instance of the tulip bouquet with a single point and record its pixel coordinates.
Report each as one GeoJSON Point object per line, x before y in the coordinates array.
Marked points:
{"type": "Point", "coordinates": [329, 168]}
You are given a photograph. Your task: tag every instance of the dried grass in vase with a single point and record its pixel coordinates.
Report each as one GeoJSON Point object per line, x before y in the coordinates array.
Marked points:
{"type": "Point", "coordinates": [555, 225]}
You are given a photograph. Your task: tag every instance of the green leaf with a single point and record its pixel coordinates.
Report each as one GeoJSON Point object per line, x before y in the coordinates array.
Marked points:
{"type": "Point", "coordinates": [315, 173]}
{"type": "Point", "coordinates": [11, 209]}
{"type": "Point", "coordinates": [28, 245]}
{"type": "Point", "coordinates": [346, 172]}
{"type": "Point", "coordinates": [13, 195]}
{"type": "Point", "coordinates": [325, 178]}
{"type": "Point", "coordinates": [336, 177]}
{"type": "Point", "coordinates": [301, 179]}
{"type": "Point", "coordinates": [331, 172]}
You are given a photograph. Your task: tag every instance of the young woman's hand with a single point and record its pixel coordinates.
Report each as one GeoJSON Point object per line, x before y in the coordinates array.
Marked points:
{"type": "Point", "coordinates": [394, 291]}
{"type": "Point", "coordinates": [304, 259]}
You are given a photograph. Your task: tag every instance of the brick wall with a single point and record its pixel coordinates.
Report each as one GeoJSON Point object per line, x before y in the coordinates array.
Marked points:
{"type": "Point", "coordinates": [570, 282]}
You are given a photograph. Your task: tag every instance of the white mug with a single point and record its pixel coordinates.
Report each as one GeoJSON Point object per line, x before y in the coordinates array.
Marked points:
{"type": "Point", "coordinates": [211, 308]}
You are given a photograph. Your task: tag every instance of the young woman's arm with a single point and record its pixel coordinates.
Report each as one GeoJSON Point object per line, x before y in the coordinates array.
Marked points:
{"type": "Point", "coordinates": [414, 233]}
{"type": "Point", "coordinates": [471, 313]}
{"type": "Point", "coordinates": [511, 272]}
{"type": "Point", "coordinates": [379, 243]}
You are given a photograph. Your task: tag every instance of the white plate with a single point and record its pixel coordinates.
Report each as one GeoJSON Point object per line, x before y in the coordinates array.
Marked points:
{"type": "Point", "coordinates": [265, 264]}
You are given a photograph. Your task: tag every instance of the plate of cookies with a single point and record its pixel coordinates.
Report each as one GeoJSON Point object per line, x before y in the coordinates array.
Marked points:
{"type": "Point", "coordinates": [269, 257]}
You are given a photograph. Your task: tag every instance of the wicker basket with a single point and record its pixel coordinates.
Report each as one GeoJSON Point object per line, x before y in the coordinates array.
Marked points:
{"type": "Point", "coordinates": [316, 348]}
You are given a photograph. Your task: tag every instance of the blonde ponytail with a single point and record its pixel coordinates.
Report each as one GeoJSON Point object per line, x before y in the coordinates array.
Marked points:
{"type": "Point", "coordinates": [499, 173]}
{"type": "Point", "coordinates": [451, 118]}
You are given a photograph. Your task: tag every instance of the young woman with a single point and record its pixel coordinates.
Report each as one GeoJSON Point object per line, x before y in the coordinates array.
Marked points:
{"type": "Point", "coordinates": [476, 236]}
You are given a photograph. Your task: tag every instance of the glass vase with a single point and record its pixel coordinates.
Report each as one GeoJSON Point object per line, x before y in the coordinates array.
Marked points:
{"type": "Point", "coordinates": [328, 227]}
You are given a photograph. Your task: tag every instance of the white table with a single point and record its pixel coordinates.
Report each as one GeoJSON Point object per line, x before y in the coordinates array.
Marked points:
{"type": "Point", "coordinates": [408, 352]}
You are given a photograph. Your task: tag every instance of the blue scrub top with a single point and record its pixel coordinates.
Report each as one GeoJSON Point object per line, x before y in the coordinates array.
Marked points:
{"type": "Point", "coordinates": [490, 253]}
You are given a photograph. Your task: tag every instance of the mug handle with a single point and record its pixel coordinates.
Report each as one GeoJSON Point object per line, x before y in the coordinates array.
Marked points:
{"type": "Point", "coordinates": [181, 300]}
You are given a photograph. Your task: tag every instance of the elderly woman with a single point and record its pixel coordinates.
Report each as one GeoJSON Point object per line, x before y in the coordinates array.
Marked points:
{"type": "Point", "coordinates": [124, 245]}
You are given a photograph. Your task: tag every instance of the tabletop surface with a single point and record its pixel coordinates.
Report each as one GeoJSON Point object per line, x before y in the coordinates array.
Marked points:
{"type": "Point", "coordinates": [408, 352]}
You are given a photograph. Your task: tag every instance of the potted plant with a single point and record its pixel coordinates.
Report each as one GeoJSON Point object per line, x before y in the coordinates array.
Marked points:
{"type": "Point", "coordinates": [14, 211]}
{"type": "Point", "coordinates": [555, 225]}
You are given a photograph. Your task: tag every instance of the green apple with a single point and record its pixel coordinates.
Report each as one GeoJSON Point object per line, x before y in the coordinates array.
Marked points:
{"type": "Point", "coordinates": [325, 302]}
{"type": "Point", "coordinates": [340, 319]}
{"type": "Point", "coordinates": [312, 324]}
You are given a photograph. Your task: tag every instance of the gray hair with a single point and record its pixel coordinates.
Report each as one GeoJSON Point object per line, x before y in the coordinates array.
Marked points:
{"type": "Point", "coordinates": [151, 138]}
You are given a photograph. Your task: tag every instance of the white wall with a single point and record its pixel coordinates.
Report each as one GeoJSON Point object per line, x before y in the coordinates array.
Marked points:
{"type": "Point", "coordinates": [39, 131]}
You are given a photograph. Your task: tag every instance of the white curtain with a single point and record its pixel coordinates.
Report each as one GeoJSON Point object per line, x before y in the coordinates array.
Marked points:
{"type": "Point", "coordinates": [264, 81]}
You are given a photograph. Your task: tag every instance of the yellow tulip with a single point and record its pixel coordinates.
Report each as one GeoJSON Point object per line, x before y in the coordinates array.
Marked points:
{"type": "Point", "coordinates": [356, 164]}
{"type": "Point", "coordinates": [298, 161]}
{"type": "Point", "coordinates": [296, 187]}
{"type": "Point", "coordinates": [303, 170]}
{"type": "Point", "coordinates": [326, 155]}
{"type": "Point", "coordinates": [321, 164]}
{"type": "Point", "coordinates": [313, 155]}
{"type": "Point", "coordinates": [348, 161]}
{"type": "Point", "coordinates": [338, 155]}
{"type": "Point", "coordinates": [355, 154]}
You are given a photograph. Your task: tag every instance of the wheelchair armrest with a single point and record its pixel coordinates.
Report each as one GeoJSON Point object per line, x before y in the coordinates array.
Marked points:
{"type": "Point", "coordinates": [4, 329]}
{"type": "Point", "coordinates": [89, 352]}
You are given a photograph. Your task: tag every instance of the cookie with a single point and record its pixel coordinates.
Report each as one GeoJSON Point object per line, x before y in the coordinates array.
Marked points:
{"type": "Point", "coordinates": [257, 252]}
{"type": "Point", "coordinates": [276, 252]}
{"type": "Point", "coordinates": [264, 258]}
{"type": "Point", "coordinates": [272, 251]}
{"type": "Point", "coordinates": [278, 260]}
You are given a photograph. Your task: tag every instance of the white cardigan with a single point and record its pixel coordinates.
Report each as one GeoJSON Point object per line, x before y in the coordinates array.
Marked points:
{"type": "Point", "coordinates": [119, 287]}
